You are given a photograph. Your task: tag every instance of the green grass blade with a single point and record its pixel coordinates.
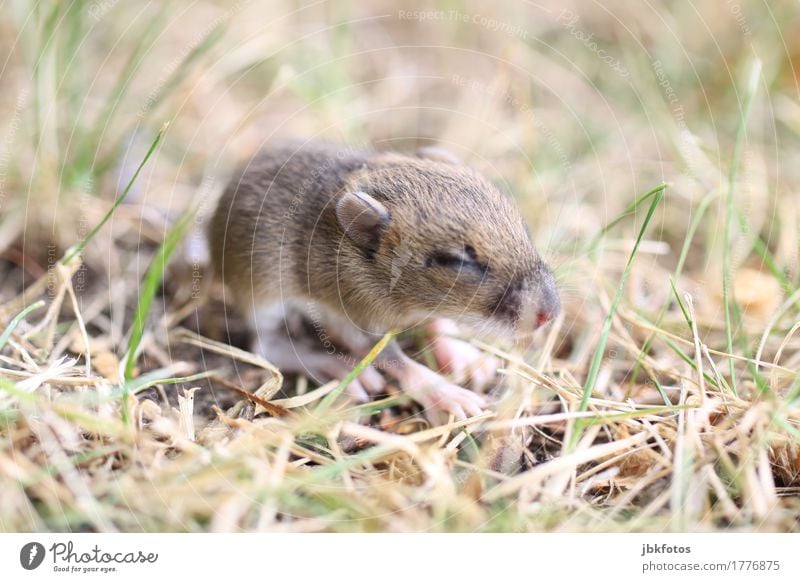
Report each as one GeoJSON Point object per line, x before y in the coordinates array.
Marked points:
{"type": "Point", "coordinates": [630, 210]}
{"type": "Point", "coordinates": [124, 81]}
{"type": "Point", "coordinates": [152, 282]}
{"type": "Point", "coordinates": [597, 359]}
{"type": "Point", "coordinates": [760, 247]}
{"type": "Point", "coordinates": [174, 80]}
{"type": "Point", "coordinates": [182, 70]}
{"type": "Point", "coordinates": [731, 307]}
{"type": "Point", "coordinates": [15, 322]}
{"type": "Point", "coordinates": [678, 299]}
{"type": "Point", "coordinates": [152, 379]}
{"type": "Point", "coordinates": [90, 142]}
{"type": "Point", "coordinates": [77, 249]}
{"type": "Point", "coordinates": [710, 380]}
{"type": "Point", "coordinates": [355, 372]}
{"type": "Point", "coordinates": [687, 244]}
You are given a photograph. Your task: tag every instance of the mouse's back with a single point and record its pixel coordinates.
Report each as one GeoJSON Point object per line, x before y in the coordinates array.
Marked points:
{"type": "Point", "coordinates": [270, 206]}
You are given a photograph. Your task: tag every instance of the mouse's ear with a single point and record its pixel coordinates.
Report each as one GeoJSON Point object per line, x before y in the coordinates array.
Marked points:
{"type": "Point", "coordinates": [438, 154]}
{"type": "Point", "coordinates": [363, 219]}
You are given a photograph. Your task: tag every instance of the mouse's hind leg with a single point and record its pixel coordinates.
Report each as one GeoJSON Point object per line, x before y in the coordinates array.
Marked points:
{"type": "Point", "coordinates": [465, 362]}
{"type": "Point", "coordinates": [280, 339]}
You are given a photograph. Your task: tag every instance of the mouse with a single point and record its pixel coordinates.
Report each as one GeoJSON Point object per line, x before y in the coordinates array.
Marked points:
{"type": "Point", "coordinates": [352, 242]}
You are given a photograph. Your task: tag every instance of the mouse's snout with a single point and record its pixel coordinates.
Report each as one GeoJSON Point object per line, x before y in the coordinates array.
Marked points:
{"type": "Point", "coordinates": [530, 303]}
{"type": "Point", "coordinates": [548, 304]}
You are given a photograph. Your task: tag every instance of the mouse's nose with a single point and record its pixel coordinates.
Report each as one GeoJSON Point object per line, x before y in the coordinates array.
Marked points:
{"type": "Point", "coordinates": [528, 305]}
{"type": "Point", "coordinates": [549, 304]}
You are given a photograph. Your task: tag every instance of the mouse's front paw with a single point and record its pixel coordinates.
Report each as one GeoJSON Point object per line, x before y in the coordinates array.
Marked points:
{"type": "Point", "coordinates": [464, 361]}
{"type": "Point", "coordinates": [456, 400]}
{"type": "Point", "coordinates": [449, 398]}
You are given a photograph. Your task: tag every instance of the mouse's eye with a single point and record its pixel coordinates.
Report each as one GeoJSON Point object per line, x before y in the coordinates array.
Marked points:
{"type": "Point", "coordinates": [462, 260]}
{"type": "Point", "coordinates": [445, 260]}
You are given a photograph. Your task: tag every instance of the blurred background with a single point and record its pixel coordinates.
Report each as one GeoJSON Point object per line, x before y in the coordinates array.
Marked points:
{"type": "Point", "coordinates": [572, 107]}
{"type": "Point", "coordinates": [576, 109]}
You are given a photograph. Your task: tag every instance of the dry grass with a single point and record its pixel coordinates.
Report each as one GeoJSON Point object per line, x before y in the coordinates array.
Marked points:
{"type": "Point", "coordinates": [665, 398]}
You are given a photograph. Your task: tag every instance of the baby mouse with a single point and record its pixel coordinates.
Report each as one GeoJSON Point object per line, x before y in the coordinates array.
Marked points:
{"type": "Point", "coordinates": [360, 242]}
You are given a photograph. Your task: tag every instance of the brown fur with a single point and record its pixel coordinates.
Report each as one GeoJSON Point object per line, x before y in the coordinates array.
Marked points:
{"type": "Point", "coordinates": [275, 236]}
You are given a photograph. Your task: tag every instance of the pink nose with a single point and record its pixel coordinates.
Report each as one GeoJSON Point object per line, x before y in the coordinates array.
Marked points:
{"type": "Point", "coordinates": [549, 306]}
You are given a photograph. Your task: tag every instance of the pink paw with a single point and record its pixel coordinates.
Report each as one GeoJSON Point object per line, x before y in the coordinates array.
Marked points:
{"type": "Point", "coordinates": [464, 361]}
{"type": "Point", "coordinates": [459, 402]}
{"type": "Point", "coordinates": [436, 394]}
{"type": "Point", "coordinates": [370, 381]}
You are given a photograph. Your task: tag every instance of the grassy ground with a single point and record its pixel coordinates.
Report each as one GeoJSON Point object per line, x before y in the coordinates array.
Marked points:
{"type": "Point", "coordinates": [664, 399]}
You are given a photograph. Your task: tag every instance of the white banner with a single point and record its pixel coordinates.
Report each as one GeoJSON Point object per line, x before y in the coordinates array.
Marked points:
{"type": "Point", "coordinates": [399, 557]}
